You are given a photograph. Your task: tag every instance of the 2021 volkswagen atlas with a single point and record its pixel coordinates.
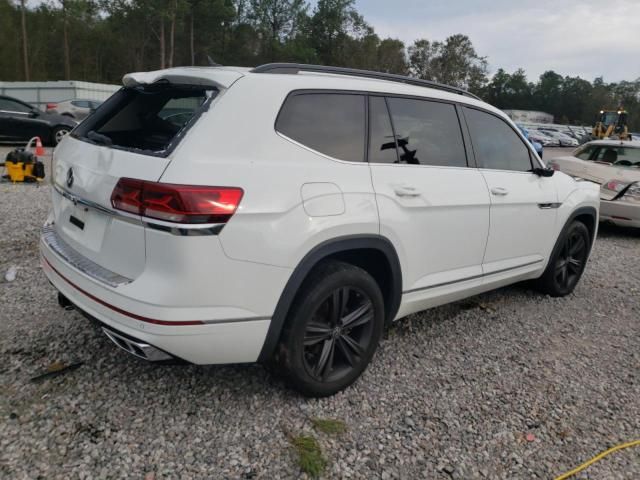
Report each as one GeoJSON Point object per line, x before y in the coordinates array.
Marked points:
{"type": "Point", "coordinates": [289, 212]}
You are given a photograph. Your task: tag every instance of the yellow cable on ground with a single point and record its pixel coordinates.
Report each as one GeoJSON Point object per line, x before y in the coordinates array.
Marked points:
{"type": "Point", "coordinates": [600, 456]}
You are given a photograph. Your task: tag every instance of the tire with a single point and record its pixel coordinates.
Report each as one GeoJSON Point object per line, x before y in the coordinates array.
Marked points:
{"type": "Point", "coordinates": [339, 311]}
{"type": "Point", "coordinates": [567, 261]}
{"type": "Point", "coordinates": [58, 133]}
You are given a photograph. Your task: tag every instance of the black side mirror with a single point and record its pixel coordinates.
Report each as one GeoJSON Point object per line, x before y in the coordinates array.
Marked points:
{"type": "Point", "coordinates": [34, 114]}
{"type": "Point", "coordinates": [543, 172]}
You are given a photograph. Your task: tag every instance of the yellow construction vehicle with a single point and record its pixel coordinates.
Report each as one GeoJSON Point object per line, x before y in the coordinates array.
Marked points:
{"type": "Point", "coordinates": [612, 124]}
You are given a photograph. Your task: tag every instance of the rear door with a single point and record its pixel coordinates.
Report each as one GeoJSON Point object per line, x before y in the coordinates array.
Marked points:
{"type": "Point", "coordinates": [431, 203]}
{"type": "Point", "coordinates": [523, 204]}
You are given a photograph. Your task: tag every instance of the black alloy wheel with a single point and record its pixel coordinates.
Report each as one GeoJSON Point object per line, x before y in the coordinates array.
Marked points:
{"type": "Point", "coordinates": [567, 262]}
{"type": "Point", "coordinates": [338, 334]}
{"type": "Point", "coordinates": [571, 260]}
{"type": "Point", "coordinates": [332, 329]}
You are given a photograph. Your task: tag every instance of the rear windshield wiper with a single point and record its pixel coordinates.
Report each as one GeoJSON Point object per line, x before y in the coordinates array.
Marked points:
{"type": "Point", "coordinates": [99, 138]}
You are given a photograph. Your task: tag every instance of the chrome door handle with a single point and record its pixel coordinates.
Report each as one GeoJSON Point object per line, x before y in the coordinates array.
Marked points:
{"type": "Point", "coordinates": [501, 191]}
{"type": "Point", "coordinates": [406, 191]}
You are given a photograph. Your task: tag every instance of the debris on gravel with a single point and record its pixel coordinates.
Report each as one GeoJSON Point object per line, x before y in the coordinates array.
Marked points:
{"type": "Point", "coordinates": [507, 385]}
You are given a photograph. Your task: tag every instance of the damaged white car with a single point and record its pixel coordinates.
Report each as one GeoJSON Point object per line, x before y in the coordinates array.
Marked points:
{"type": "Point", "coordinates": [615, 166]}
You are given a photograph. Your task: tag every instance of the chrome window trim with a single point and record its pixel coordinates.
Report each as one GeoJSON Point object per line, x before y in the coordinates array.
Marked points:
{"type": "Point", "coordinates": [14, 111]}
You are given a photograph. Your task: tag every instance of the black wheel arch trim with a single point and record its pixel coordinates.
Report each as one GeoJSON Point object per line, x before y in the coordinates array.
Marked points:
{"type": "Point", "coordinates": [592, 212]}
{"type": "Point", "coordinates": [315, 256]}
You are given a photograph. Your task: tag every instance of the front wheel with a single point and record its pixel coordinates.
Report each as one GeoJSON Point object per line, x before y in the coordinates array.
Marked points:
{"type": "Point", "coordinates": [333, 329]}
{"type": "Point", "coordinates": [567, 262]}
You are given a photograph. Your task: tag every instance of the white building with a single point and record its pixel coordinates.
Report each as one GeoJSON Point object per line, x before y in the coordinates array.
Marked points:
{"type": "Point", "coordinates": [530, 116]}
{"type": "Point", "coordinates": [41, 93]}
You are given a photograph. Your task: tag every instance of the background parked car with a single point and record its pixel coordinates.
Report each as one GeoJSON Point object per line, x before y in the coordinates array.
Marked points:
{"type": "Point", "coordinates": [545, 140]}
{"type": "Point", "coordinates": [78, 109]}
{"type": "Point", "coordinates": [20, 121]}
{"type": "Point", "coordinates": [535, 144]}
{"type": "Point", "coordinates": [565, 140]}
{"type": "Point", "coordinates": [615, 166]}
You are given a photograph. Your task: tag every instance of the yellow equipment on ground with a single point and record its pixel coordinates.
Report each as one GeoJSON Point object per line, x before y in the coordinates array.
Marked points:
{"type": "Point", "coordinates": [612, 124]}
{"type": "Point", "coordinates": [22, 165]}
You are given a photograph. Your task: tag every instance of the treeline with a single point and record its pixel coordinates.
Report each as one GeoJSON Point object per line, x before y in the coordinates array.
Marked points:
{"type": "Point", "coordinates": [100, 40]}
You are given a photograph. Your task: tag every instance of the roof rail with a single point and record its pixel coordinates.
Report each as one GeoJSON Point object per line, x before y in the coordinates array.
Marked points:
{"type": "Point", "coordinates": [294, 68]}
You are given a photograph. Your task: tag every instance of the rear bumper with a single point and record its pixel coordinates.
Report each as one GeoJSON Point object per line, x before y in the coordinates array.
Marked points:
{"type": "Point", "coordinates": [200, 333]}
{"type": "Point", "coordinates": [620, 213]}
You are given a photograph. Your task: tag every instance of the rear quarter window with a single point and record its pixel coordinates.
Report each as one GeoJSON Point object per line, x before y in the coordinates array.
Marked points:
{"type": "Point", "coordinates": [330, 123]}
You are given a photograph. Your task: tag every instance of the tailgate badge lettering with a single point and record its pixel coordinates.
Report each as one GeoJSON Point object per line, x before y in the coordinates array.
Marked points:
{"type": "Point", "coordinates": [70, 177]}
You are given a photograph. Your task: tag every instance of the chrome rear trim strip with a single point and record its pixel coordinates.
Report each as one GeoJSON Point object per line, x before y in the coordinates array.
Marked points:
{"type": "Point", "coordinates": [179, 229]}
{"type": "Point", "coordinates": [61, 248]}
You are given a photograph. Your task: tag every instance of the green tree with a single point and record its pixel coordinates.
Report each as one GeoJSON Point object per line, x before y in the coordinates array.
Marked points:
{"type": "Point", "coordinates": [392, 57]}
{"type": "Point", "coordinates": [453, 62]}
{"type": "Point", "coordinates": [575, 91]}
{"type": "Point", "coordinates": [333, 24]}
{"type": "Point", "coordinates": [277, 21]}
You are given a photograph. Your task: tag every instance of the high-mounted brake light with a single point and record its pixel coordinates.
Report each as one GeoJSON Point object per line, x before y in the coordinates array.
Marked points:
{"type": "Point", "coordinates": [176, 203]}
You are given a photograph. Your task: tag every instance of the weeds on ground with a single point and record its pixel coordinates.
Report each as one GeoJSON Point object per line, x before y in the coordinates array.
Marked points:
{"type": "Point", "coordinates": [309, 453]}
{"type": "Point", "coordinates": [329, 426]}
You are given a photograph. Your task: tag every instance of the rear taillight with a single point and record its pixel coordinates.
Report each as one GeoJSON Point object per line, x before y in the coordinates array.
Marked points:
{"type": "Point", "coordinates": [176, 203]}
{"type": "Point", "coordinates": [51, 106]}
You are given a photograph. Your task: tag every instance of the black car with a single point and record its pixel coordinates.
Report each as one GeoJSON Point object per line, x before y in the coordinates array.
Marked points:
{"type": "Point", "coordinates": [20, 121]}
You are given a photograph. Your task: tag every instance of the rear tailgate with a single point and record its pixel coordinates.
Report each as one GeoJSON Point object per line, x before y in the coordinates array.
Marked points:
{"type": "Point", "coordinates": [132, 135]}
{"type": "Point", "coordinates": [84, 177]}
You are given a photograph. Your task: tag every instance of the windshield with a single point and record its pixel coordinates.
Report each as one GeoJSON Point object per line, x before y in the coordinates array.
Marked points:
{"type": "Point", "coordinates": [619, 156]}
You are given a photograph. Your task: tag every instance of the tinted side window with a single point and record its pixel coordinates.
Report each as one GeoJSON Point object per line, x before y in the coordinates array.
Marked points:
{"type": "Point", "coordinates": [382, 144]}
{"type": "Point", "coordinates": [495, 144]}
{"type": "Point", "coordinates": [11, 106]}
{"type": "Point", "coordinates": [428, 133]}
{"type": "Point", "coordinates": [331, 123]}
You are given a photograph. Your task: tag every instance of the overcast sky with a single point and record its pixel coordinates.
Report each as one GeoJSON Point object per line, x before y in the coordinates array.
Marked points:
{"type": "Point", "coordinates": [586, 38]}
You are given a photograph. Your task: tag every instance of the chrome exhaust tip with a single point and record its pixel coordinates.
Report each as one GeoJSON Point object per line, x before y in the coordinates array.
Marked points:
{"type": "Point", "coordinates": [136, 347]}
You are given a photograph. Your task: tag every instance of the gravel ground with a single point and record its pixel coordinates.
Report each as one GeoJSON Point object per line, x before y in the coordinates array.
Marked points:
{"type": "Point", "coordinates": [506, 385]}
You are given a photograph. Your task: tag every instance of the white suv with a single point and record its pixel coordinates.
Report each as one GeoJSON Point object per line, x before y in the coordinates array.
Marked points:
{"type": "Point", "coordinates": [291, 212]}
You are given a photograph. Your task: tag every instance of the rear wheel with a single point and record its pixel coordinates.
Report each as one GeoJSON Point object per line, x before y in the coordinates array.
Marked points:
{"type": "Point", "coordinates": [333, 329]}
{"type": "Point", "coordinates": [567, 261]}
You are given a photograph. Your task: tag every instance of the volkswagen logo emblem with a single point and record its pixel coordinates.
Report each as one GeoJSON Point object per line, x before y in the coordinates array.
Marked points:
{"type": "Point", "coordinates": [70, 177]}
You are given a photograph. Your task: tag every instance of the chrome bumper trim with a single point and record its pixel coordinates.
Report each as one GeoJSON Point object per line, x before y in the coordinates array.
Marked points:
{"type": "Point", "coordinates": [61, 248]}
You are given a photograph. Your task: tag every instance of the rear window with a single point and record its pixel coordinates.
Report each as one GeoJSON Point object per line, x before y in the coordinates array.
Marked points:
{"type": "Point", "coordinates": [330, 123]}
{"type": "Point", "coordinates": [150, 119]}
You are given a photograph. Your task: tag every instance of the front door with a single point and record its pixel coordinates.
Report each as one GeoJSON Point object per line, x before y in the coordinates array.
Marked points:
{"type": "Point", "coordinates": [523, 204]}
